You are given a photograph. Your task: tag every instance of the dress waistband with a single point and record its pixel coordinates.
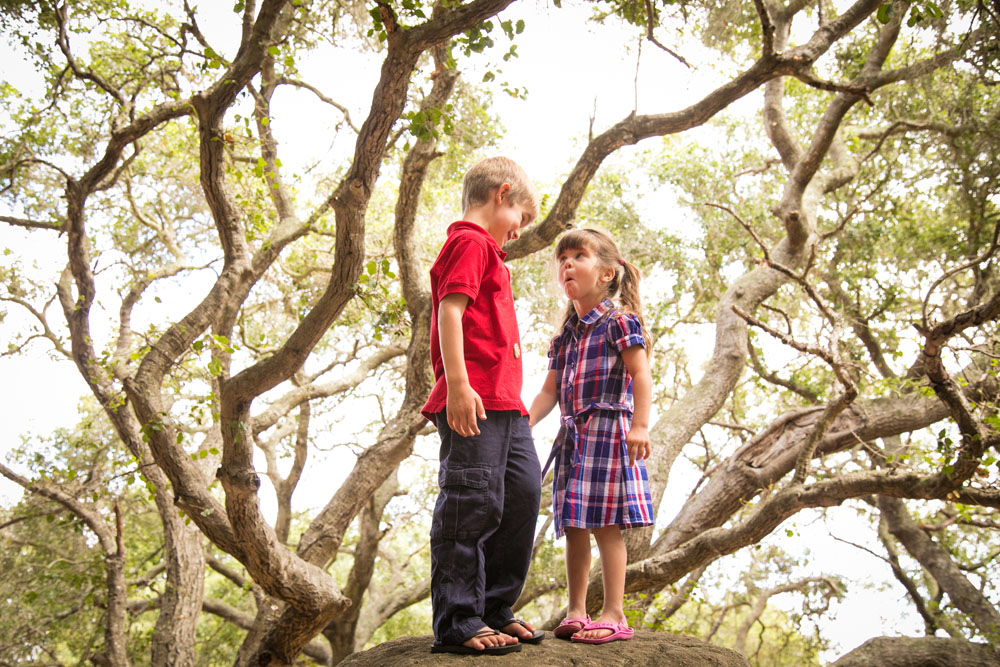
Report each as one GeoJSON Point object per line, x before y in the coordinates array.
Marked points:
{"type": "Point", "coordinates": [570, 422]}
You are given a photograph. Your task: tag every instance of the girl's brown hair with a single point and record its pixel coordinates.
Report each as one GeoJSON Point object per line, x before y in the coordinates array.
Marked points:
{"type": "Point", "coordinates": [624, 287]}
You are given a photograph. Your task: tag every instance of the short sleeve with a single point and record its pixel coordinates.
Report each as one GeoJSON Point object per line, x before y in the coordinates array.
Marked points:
{"type": "Point", "coordinates": [460, 266]}
{"type": "Point", "coordinates": [555, 358]}
{"type": "Point", "coordinates": [624, 331]}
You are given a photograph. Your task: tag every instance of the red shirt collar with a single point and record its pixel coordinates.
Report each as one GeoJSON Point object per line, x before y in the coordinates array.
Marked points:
{"type": "Point", "coordinates": [471, 226]}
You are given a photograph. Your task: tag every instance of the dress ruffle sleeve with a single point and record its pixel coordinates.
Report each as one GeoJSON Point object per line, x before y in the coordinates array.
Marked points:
{"type": "Point", "coordinates": [624, 331]}
{"type": "Point", "coordinates": [555, 359]}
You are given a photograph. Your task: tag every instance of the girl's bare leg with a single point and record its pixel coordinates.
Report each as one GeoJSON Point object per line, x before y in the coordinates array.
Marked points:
{"type": "Point", "coordinates": [614, 557]}
{"type": "Point", "coordinates": [577, 570]}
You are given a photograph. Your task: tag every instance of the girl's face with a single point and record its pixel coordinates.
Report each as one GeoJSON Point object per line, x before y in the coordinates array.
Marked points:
{"type": "Point", "coordinates": [583, 277]}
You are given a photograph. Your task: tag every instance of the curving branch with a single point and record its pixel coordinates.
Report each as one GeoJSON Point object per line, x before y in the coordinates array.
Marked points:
{"type": "Point", "coordinates": [287, 81]}
{"type": "Point", "coordinates": [662, 570]}
{"type": "Point", "coordinates": [938, 562]}
{"type": "Point", "coordinates": [61, 15]}
{"type": "Point", "coordinates": [312, 391]}
{"type": "Point", "coordinates": [31, 224]}
{"type": "Point", "coordinates": [772, 453]}
{"type": "Point", "coordinates": [650, 24]}
{"type": "Point", "coordinates": [833, 589]}
{"type": "Point", "coordinates": [932, 619]}
{"type": "Point", "coordinates": [111, 540]}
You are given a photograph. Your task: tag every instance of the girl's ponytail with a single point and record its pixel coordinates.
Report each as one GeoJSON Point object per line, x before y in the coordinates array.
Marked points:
{"type": "Point", "coordinates": [628, 277]}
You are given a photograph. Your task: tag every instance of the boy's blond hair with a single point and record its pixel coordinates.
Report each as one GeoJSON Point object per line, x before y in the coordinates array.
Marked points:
{"type": "Point", "coordinates": [484, 177]}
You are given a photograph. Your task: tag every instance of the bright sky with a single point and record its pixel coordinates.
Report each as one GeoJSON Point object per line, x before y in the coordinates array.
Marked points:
{"type": "Point", "coordinates": [572, 71]}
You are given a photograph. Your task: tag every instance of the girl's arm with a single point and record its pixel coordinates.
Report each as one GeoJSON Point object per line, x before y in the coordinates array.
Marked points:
{"type": "Point", "coordinates": [637, 438]}
{"type": "Point", "coordinates": [545, 401]}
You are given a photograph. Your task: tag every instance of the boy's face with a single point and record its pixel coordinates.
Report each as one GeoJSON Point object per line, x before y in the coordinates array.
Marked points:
{"type": "Point", "coordinates": [508, 218]}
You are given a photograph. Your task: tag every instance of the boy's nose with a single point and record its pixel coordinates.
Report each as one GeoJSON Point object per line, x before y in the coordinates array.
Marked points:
{"type": "Point", "coordinates": [515, 234]}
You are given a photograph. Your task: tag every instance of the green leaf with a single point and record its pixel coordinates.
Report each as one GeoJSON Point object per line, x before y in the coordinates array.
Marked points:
{"type": "Point", "coordinates": [273, 50]}
{"type": "Point", "coordinates": [372, 267]}
{"type": "Point", "coordinates": [884, 12]}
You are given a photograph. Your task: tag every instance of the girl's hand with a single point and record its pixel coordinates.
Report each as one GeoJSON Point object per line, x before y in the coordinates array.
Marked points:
{"type": "Point", "coordinates": [637, 442]}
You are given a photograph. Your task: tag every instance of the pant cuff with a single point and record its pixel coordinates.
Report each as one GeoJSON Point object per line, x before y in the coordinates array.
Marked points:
{"type": "Point", "coordinates": [500, 618]}
{"type": "Point", "coordinates": [462, 631]}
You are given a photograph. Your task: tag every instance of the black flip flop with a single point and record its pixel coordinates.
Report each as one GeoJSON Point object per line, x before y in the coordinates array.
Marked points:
{"type": "Point", "coordinates": [462, 649]}
{"type": "Point", "coordinates": [536, 637]}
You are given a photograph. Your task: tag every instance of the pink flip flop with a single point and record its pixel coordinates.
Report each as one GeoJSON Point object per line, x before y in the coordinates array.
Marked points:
{"type": "Point", "coordinates": [618, 631]}
{"type": "Point", "coordinates": [569, 626]}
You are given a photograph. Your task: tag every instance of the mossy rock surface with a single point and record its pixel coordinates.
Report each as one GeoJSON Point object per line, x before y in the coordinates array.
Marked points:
{"type": "Point", "coordinates": [646, 648]}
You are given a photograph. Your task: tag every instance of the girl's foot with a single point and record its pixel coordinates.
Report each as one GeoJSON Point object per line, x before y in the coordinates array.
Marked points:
{"type": "Point", "coordinates": [601, 633]}
{"type": "Point", "coordinates": [571, 625]}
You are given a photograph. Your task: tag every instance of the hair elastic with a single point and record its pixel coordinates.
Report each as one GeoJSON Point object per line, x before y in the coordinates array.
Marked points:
{"type": "Point", "coordinates": [622, 262]}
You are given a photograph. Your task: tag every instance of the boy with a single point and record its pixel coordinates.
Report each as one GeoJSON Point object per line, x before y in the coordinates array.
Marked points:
{"type": "Point", "coordinates": [484, 518]}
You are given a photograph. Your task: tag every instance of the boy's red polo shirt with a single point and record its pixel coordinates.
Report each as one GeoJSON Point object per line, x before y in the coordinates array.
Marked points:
{"type": "Point", "coordinates": [471, 263]}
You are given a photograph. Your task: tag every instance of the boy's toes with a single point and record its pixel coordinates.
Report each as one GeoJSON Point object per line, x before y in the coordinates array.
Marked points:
{"type": "Point", "coordinates": [518, 630]}
{"type": "Point", "coordinates": [485, 638]}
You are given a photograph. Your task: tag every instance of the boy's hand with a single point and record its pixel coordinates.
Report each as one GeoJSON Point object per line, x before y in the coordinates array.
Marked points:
{"type": "Point", "coordinates": [637, 442]}
{"type": "Point", "coordinates": [464, 405]}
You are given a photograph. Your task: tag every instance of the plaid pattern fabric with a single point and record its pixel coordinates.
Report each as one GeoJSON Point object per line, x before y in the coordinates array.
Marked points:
{"type": "Point", "coordinates": [594, 485]}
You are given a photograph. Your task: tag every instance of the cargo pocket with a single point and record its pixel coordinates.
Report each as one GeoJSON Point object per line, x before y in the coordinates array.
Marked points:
{"type": "Point", "coordinates": [463, 504]}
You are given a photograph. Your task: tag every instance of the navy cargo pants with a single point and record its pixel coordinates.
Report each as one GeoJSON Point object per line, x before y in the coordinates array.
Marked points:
{"type": "Point", "coordinates": [483, 525]}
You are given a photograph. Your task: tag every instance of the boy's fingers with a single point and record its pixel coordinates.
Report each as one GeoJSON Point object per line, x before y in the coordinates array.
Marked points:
{"type": "Point", "coordinates": [478, 411]}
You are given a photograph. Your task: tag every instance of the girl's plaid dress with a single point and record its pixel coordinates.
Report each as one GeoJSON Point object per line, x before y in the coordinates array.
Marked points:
{"type": "Point", "coordinates": [593, 484]}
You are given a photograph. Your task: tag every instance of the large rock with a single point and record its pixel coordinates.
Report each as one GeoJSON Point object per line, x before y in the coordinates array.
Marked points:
{"type": "Point", "coordinates": [646, 648]}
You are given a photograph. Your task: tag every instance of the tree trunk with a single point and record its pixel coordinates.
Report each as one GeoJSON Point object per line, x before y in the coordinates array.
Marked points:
{"type": "Point", "coordinates": [181, 601]}
{"type": "Point", "coordinates": [938, 562]}
{"type": "Point", "coordinates": [341, 632]}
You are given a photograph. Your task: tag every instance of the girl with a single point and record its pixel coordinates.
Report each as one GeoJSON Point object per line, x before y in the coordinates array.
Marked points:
{"type": "Point", "coordinates": [597, 364]}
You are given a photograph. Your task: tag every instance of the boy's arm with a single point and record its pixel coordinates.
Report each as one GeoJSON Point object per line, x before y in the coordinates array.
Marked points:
{"type": "Point", "coordinates": [545, 401]}
{"type": "Point", "coordinates": [637, 438]}
{"type": "Point", "coordinates": [464, 404]}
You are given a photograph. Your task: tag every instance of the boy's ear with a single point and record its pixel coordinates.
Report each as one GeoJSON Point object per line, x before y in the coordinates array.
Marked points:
{"type": "Point", "coordinates": [502, 191]}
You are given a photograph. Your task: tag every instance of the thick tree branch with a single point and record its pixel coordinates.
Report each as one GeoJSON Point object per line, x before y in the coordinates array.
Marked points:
{"type": "Point", "coordinates": [936, 560]}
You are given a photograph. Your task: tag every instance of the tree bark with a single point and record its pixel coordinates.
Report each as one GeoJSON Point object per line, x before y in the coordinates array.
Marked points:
{"type": "Point", "coordinates": [342, 631]}
{"type": "Point", "coordinates": [919, 652]}
{"type": "Point", "coordinates": [936, 560]}
{"type": "Point", "coordinates": [181, 600]}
